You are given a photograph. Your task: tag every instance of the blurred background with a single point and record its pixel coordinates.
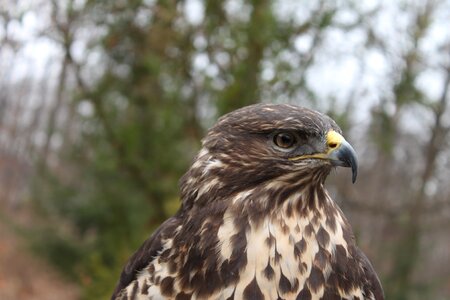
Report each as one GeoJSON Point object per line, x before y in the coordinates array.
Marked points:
{"type": "Point", "coordinates": [103, 105]}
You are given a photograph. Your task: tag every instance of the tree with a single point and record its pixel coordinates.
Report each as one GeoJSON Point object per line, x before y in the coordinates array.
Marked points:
{"type": "Point", "coordinates": [136, 83]}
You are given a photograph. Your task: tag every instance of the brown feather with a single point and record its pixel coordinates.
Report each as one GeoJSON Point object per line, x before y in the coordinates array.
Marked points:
{"type": "Point", "coordinates": [254, 224]}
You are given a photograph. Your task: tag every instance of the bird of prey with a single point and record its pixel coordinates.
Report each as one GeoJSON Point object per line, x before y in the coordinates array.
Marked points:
{"type": "Point", "coordinates": [256, 221]}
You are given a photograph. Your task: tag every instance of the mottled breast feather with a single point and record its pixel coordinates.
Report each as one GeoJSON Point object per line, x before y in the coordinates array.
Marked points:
{"type": "Point", "coordinates": [253, 224]}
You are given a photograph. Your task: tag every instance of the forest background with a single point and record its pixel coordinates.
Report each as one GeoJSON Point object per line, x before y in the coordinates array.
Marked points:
{"type": "Point", "coordinates": [103, 105]}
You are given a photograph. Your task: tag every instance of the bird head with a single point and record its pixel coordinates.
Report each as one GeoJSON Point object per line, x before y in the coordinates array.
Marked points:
{"type": "Point", "coordinates": [264, 143]}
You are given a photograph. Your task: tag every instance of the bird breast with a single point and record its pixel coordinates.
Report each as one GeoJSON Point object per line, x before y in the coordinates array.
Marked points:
{"type": "Point", "coordinates": [285, 254]}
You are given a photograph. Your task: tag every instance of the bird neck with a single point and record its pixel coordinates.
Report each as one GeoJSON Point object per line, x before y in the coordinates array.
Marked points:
{"type": "Point", "coordinates": [296, 196]}
{"type": "Point", "coordinates": [298, 199]}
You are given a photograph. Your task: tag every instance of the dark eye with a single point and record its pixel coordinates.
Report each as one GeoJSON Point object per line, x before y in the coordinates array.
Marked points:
{"type": "Point", "coordinates": [284, 140]}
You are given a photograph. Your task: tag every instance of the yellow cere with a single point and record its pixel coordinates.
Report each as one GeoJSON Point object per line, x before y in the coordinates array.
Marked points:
{"type": "Point", "coordinates": [334, 140]}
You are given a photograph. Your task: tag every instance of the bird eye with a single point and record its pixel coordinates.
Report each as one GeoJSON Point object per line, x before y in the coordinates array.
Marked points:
{"type": "Point", "coordinates": [284, 140]}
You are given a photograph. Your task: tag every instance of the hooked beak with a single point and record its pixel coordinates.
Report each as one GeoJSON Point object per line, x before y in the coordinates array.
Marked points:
{"type": "Point", "coordinates": [339, 153]}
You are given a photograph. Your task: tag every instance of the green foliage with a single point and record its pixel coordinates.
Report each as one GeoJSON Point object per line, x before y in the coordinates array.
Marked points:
{"type": "Point", "coordinates": [119, 179]}
{"type": "Point", "coordinates": [164, 79]}
{"type": "Point", "coordinates": [63, 252]}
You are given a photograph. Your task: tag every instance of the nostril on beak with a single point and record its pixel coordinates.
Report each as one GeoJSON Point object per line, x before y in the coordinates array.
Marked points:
{"type": "Point", "coordinates": [332, 145]}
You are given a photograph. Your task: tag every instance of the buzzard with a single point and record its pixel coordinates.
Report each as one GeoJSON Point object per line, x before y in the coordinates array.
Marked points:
{"type": "Point", "coordinates": [256, 221]}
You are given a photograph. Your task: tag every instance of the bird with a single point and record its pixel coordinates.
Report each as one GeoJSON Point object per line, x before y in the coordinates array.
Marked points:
{"type": "Point", "coordinates": [255, 220]}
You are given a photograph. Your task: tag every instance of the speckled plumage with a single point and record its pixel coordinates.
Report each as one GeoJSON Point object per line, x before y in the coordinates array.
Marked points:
{"type": "Point", "coordinates": [254, 224]}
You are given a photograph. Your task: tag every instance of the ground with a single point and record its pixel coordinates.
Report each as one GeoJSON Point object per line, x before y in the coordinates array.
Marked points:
{"type": "Point", "coordinates": [23, 276]}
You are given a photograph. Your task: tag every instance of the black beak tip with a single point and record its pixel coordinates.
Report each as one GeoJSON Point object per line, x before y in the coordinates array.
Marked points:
{"type": "Point", "coordinates": [354, 173]}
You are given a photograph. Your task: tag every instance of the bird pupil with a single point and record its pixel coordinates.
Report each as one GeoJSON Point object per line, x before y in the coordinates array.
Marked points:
{"type": "Point", "coordinates": [284, 140]}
